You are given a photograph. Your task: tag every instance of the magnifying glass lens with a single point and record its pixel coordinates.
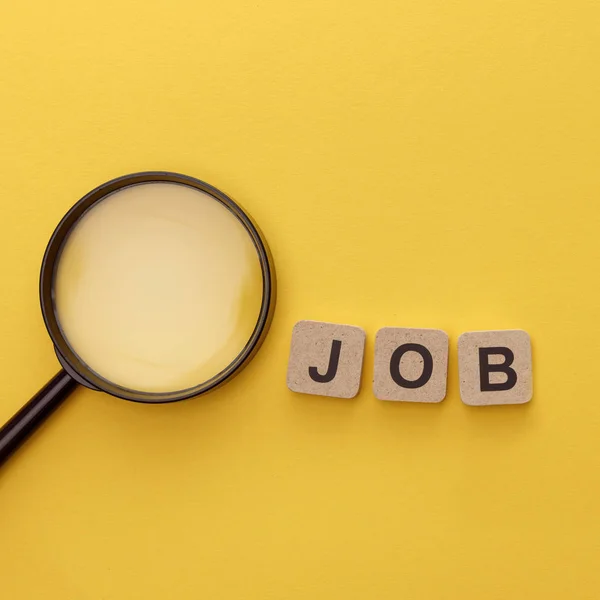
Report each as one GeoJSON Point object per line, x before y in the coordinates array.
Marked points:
{"type": "Point", "coordinates": [158, 287]}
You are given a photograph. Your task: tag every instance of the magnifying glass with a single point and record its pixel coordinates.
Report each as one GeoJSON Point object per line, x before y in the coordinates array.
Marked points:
{"type": "Point", "coordinates": [155, 287]}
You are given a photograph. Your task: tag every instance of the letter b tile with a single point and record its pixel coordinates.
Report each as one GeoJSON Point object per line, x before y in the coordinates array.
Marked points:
{"type": "Point", "coordinates": [495, 367]}
{"type": "Point", "coordinates": [326, 359]}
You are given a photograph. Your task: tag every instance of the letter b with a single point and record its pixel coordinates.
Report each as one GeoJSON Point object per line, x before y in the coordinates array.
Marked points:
{"type": "Point", "coordinates": [495, 367]}
{"type": "Point", "coordinates": [485, 369]}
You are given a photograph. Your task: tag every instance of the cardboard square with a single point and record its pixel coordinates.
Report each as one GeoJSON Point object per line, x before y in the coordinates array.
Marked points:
{"type": "Point", "coordinates": [326, 359]}
{"type": "Point", "coordinates": [411, 365]}
{"type": "Point", "coordinates": [495, 367]}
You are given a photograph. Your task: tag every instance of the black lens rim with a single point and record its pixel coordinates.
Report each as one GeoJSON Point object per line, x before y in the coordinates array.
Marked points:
{"type": "Point", "coordinates": [69, 359]}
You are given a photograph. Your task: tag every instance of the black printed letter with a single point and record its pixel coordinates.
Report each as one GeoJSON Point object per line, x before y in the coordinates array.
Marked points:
{"type": "Point", "coordinates": [485, 369]}
{"type": "Point", "coordinates": [334, 359]}
{"type": "Point", "coordinates": [427, 366]}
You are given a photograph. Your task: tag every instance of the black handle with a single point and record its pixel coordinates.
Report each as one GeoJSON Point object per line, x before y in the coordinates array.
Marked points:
{"type": "Point", "coordinates": [34, 413]}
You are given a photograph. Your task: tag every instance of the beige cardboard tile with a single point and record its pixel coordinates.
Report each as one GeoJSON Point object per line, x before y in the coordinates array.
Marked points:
{"type": "Point", "coordinates": [495, 367]}
{"type": "Point", "coordinates": [411, 365]}
{"type": "Point", "coordinates": [326, 359]}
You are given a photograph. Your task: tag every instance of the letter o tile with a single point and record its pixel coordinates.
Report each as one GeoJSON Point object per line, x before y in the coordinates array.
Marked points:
{"type": "Point", "coordinates": [411, 365]}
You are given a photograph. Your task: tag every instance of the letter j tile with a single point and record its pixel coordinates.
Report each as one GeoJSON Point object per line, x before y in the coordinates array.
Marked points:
{"type": "Point", "coordinates": [326, 359]}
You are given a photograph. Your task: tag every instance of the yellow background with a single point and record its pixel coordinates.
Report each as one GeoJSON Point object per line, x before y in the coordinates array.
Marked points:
{"type": "Point", "coordinates": [412, 162]}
